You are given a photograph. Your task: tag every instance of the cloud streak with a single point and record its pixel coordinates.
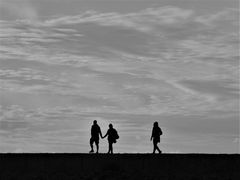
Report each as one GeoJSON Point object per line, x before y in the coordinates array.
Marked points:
{"type": "Point", "coordinates": [167, 63]}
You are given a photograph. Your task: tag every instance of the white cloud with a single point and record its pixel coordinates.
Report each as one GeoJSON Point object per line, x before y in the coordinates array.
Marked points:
{"type": "Point", "coordinates": [129, 65]}
{"type": "Point", "coordinates": [25, 73]}
{"type": "Point", "coordinates": [144, 20]}
{"type": "Point", "coordinates": [13, 112]}
{"type": "Point", "coordinates": [222, 18]}
{"type": "Point", "coordinates": [19, 10]}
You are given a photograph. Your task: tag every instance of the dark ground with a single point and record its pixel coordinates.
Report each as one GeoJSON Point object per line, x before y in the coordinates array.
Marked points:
{"type": "Point", "coordinates": [119, 166]}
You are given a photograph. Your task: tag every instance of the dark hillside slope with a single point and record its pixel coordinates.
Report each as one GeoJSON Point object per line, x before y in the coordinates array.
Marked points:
{"type": "Point", "coordinates": [119, 166]}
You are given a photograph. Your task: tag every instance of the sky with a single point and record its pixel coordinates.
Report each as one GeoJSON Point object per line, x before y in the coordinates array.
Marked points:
{"type": "Point", "coordinates": [65, 63]}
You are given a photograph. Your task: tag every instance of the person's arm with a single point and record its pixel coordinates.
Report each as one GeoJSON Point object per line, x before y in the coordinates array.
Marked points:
{"type": "Point", "coordinates": [91, 131]}
{"type": "Point", "coordinates": [151, 135]}
{"type": "Point", "coordinates": [160, 131]}
{"type": "Point", "coordinates": [100, 132]}
{"type": "Point", "coordinates": [105, 135]}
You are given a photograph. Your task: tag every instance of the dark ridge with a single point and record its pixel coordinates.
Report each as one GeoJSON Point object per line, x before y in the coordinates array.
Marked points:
{"type": "Point", "coordinates": [119, 166]}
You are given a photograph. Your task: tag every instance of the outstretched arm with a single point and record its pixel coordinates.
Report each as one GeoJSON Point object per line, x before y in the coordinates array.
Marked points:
{"type": "Point", "coordinates": [151, 136]}
{"type": "Point", "coordinates": [105, 135]}
{"type": "Point", "coordinates": [100, 132]}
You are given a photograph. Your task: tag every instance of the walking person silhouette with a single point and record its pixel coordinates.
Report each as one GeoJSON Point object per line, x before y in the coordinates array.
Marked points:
{"type": "Point", "coordinates": [156, 133]}
{"type": "Point", "coordinates": [95, 132]}
{"type": "Point", "coordinates": [112, 138]}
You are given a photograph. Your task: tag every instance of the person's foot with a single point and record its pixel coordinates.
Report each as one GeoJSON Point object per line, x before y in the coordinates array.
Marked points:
{"type": "Point", "coordinates": [160, 152]}
{"type": "Point", "coordinates": [92, 151]}
{"type": "Point", "coordinates": [97, 152]}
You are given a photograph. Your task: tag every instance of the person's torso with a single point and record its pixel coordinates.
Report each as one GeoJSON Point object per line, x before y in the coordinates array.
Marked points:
{"type": "Point", "coordinates": [95, 131]}
{"type": "Point", "coordinates": [111, 134]}
{"type": "Point", "coordinates": [156, 132]}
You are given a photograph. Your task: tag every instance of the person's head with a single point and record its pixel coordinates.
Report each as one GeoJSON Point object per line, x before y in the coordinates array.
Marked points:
{"type": "Point", "coordinates": [110, 126]}
{"type": "Point", "coordinates": [95, 122]}
{"type": "Point", "coordinates": [155, 124]}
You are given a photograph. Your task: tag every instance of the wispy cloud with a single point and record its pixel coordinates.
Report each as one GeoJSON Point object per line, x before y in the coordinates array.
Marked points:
{"type": "Point", "coordinates": [164, 62]}
{"type": "Point", "coordinates": [18, 10]}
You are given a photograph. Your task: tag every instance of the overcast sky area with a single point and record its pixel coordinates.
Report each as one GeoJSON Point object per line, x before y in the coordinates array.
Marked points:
{"type": "Point", "coordinates": [64, 63]}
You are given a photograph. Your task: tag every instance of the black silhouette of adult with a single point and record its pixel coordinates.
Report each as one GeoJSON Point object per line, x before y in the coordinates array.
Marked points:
{"type": "Point", "coordinates": [95, 132]}
{"type": "Point", "coordinates": [156, 133]}
{"type": "Point", "coordinates": [112, 138]}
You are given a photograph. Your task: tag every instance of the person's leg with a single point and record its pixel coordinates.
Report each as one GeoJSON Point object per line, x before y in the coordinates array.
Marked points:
{"type": "Point", "coordinates": [97, 145]}
{"type": "Point", "coordinates": [154, 147]}
{"type": "Point", "coordinates": [159, 151]}
{"type": "Point", "coordinates": [91, 145]}
{"type": "Point", "coordinates": [111, 148]}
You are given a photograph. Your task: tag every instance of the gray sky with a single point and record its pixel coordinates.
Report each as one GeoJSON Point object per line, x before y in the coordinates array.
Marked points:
{"type": "Point", "coordinates": [65, 63]}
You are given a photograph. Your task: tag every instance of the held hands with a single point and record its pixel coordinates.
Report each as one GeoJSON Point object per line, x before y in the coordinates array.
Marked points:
{"type": "Point", "coordinates": [103, 137]}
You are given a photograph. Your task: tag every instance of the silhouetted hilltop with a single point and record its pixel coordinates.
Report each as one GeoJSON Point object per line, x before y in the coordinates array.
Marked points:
{"type": "Point", "coordinates": [119, 166]}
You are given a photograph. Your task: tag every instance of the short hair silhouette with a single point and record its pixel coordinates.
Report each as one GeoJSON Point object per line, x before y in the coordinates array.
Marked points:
{"type": "Point", "coordinates": [95, 132]}
{"type": "Point", "coordinates": [156, 133]}
{"type": "Point", "coordinates": [112, 137]}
